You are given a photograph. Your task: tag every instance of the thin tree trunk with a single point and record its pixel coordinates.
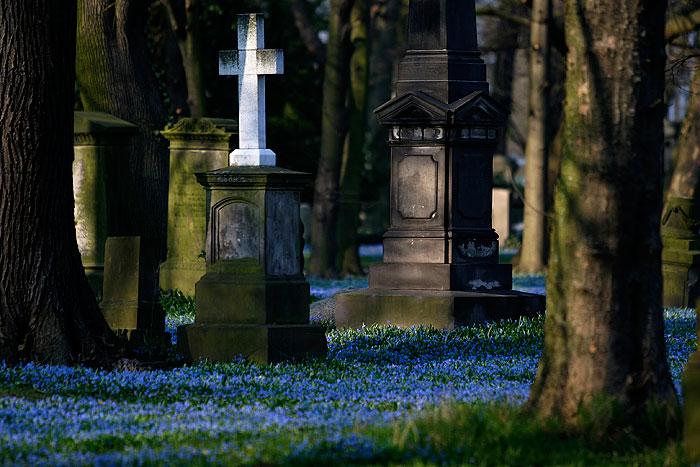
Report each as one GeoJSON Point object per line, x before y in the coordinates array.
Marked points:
{"type": "Point", "coordinates": [47, 309]}
{"type": "Point", "coordinates": [184, 22]}
{"type": "Point", "coordinates": [604, 325]}
{"type": "Point", "coordinates": [353, 155]}
{"type": "Point", "coordinates": [533, 255]}
{"type": "Point", "coordinates": [115, 75]}
{"type": "Point", "coordinates": [334, 123]}
{"type": "Point", "coordinates": [685, 180]}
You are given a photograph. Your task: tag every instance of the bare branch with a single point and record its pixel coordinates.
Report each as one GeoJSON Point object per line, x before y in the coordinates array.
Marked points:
{"type": "Point", "coordinates": [307, 32]}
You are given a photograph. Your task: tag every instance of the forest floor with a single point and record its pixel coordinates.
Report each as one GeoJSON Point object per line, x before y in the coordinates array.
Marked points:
{"type": "Point", "coordinates": [383, 395]}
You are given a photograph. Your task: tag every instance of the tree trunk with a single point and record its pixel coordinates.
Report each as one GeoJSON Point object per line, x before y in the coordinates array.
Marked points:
{"type": "Point", "coordinates": [334, 123]}
{"type": "Point", "coordinates": [48, 312]}
{"type": "Point", "coordinates": [348, 259]}
{"type": "Point", "coordinates": [533, 255]}
{"type": "Point", "coordinates": [604, 325]}
{"type": "Point", "coordinates": [184, 22]}
{"type": "Point", "coordinates": [115, 75]}
{"type": "Point", "coordinates": [685, 180]}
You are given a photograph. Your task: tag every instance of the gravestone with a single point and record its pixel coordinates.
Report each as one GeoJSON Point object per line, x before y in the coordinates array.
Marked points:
{"type": "Point", "coordinates": [501, 213]}
{"type": "Point", "coordinates": [681, 252]}
{"type": "Point", "coordinates": [131, 297]}
{"type": "Point", "coordinates": [440, 262]}
{"type": "Point", "coordinates": [196, 145]}
{"type": "Point", "coordinates": [691, 402]}
{"type": "Point", "coordinates": [98, 138]}
{"type": "Point", "coordinates": [253, 300]}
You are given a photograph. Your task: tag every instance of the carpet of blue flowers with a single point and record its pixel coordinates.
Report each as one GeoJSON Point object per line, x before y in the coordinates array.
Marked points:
{"type": "Point", "coordinates": [240, 413]}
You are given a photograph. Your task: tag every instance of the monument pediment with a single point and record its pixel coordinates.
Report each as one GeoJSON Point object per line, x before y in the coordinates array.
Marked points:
{"type": "Point", "coordinates": [478, 108]}
{"type": "Point", "coordinates": [412, 108]}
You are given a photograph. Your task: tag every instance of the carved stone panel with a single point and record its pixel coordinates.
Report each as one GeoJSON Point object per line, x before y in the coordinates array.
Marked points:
{"type": "Point", "coordinates": [237, 230]}
{"type": "Point", "coordinates": [417, 187]}
{"type": "Point", "coordinates": [473, 173]}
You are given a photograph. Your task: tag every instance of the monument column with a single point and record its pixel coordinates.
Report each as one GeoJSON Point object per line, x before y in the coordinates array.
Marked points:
{"type": "Point", "coordinates": [440, 264]}
{"type": "Point", "coordinates": [253, 300]}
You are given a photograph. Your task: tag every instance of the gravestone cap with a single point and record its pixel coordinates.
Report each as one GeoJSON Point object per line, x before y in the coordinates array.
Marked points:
{"type": "Point", "coordinates": [99, 129]}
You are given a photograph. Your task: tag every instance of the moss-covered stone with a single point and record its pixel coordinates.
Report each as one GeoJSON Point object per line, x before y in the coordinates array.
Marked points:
{"type": "Point", "coordinates": [681, 252]}
{"type": "Point", "coordinates": [131, 302]}
{"type": "Point", "coordinates": [196, 145]}
{"type": "Point", "coordinates": [253, 300]}
{"type": "Point", "coordinates": [97, 137]}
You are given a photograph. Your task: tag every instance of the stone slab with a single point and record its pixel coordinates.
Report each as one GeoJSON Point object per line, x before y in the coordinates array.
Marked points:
{"type": "Point", "coordinates": [439, 309]}
{"type": "Point", "coordinates": [431, 276]}
{"type": "Point", "coordinates": [681, 284]}
{"type": "Point", "coordinates": [252, 299]}
{"type": "Point", "coordinates": [261, 344]}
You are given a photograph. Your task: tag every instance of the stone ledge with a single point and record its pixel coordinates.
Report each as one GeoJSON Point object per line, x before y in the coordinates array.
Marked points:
{"type": "Point", "coordinates": [258, 343]}
{"type": "Point", "coordinates": [439, 309]}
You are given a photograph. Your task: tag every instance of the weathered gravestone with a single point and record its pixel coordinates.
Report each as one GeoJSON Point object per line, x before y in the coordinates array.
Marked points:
{"type": "Point", "coordinates": [440, 261]}
{"type": "Point", "coordinates": [691, 402]}
{"type": "Point", "coordinates": [131, 301]}
{"type": "Point", "coordinates": [196, 145]}
{"type": "Point", "coordinates": [681, 252]}
{"type": "Point", "coordinates": [98, 138]}
{"type": "Point", "coordinates": [253, 300]}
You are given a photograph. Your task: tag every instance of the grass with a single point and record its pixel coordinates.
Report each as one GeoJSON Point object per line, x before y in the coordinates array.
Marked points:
{"type": "Point", "coordinates": [383, 396]}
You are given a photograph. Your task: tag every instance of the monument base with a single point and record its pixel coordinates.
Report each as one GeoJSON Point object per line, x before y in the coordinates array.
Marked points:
{"type": "Point", "coordinates": [181, 275]}
{"type": "Point", "coordinates": [266, 343]}
{"type": "Point", "coordinates": [439, 309]}
{"type": "Point", "coordinates": [252, 299]}
{"type": "Point", "coordinates": [691, 409]}
{"type": "Point", "coordinates": [438, 276]}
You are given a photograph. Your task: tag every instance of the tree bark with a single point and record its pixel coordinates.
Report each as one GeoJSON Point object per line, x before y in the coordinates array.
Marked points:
{"type": "Point", "coordinates": [533, 255]}
{"type": "Point", "coordinates": [348, 259]}
{"type": "Point", "coordinates": [48, 312]}
{"type": "Point", "coordinates": [334, 124]}
{"type": "Point", "coordinates": [685, 180]}
{"type": "Point", "coordinates": [604, 325]}
{"type": "Point", "coordinates": [116, 76]}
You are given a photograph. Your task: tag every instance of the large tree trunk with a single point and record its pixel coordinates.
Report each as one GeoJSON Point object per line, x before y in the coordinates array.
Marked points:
{"type": "Point", "coordinates": [685, 180]}
{"type": "Point", "coordinates": [348, 259]}
{"type": "Point", "coordinates": [115, 75]}
{"type": "Point", "coordinates": [604, 325]}
{"type": "Point", "coordinates": [47, 309]}
{"type": "Point", "coordinates": [334, 123]}
{"type": "Point", "coordinates": [533, 255]}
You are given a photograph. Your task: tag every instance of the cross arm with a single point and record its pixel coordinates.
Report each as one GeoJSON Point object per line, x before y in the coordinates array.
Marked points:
{"type": "Point", "coordinates": [251, 62]}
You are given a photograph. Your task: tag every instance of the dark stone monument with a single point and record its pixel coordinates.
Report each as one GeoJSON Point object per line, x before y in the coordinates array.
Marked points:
{"type": "Point", "coordinates": [98, 140]}
{"type": "Point", "coordinates": [691, 403]}
{"type": "Point", "coordinates": [196, 145]}
{"type": "Point", "coordinates": [131, 303]}
{"type": "Point", "coordinates": [440, 264]}
{"type": "Point", "coordinates": [681, 252]}
{"type": "Point", "coordinates": [253, 300]}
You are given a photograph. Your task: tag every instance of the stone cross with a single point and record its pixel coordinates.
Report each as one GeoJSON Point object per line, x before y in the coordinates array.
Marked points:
{"type": "Point", "coordinates": [251, 62]}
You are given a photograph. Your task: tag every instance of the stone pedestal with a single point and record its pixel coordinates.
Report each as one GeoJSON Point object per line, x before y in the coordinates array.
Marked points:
{"type": "Point", "coordinates": [253, 300]}
{"type": "Point", "coordinates": [97, 138]}
{"type": "Point", "coordinates": [440, 263]}
{"type": "Point", "coordinates": [196, 145]}
{"type": "Point", "coordinates": [681, 252]}
{"type": "Point", "coordinates": [691, 404]}
{"type": "Point", "coordinates": [131, 303]}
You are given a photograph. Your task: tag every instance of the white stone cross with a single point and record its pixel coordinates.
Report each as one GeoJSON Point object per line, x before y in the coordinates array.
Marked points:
{"type": "Point", "coordinates": [251, 62]}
